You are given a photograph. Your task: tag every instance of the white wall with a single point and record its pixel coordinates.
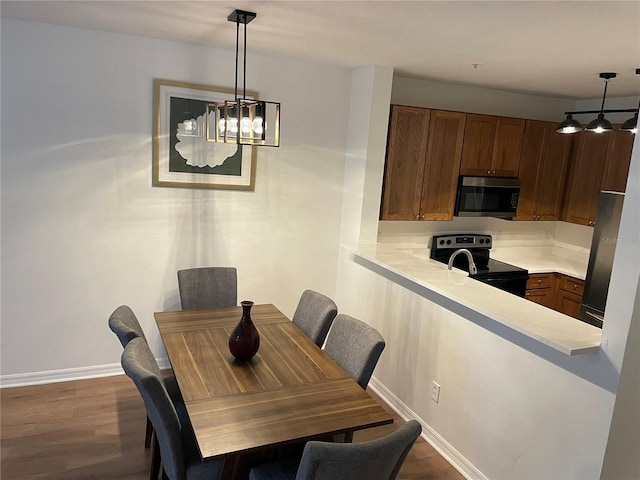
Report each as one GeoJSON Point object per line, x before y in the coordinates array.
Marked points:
{"type": "Point", "coordinates": [422, 93]}
{"type": "Point", "coordinates": [83, 230]}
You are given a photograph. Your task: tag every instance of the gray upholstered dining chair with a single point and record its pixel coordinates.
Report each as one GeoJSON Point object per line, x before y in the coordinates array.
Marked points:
{"type": "Point", "coordinates": [124, 323]}
{"type": "Point", "coordinates": [314, 315]}
{"type": "Point", "coordinates": [378, 459]}
{"type": "Point", "coordinates": [355, 346]}
{"type": "Point", "coordinates": [179, 454]}
{"type": "Point", "coordinates": [208, 287]}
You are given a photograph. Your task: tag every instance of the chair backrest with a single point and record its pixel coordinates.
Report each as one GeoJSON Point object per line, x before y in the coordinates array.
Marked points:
{"type": "Point", "coordinates": [355, 346]}
{"type": "Point", "coordinates": [140, 365]}
{"type": "Point", "coordinates": [314, 315]}
{"type": "Point", "coordinates": [378, 459]}
{"type": "Point", "coordinates": [125, 325]}
{"type": "Point", "coordinates": [208, 287]}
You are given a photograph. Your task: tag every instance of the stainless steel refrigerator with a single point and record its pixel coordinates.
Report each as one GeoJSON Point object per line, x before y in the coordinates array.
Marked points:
{"type": "Point", "coordinates": [603, 247]}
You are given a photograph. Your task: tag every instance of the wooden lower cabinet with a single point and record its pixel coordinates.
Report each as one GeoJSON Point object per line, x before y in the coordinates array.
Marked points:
{"type": "Point", "coordinates": [556, 291]}
{"type": "Point", "coordinates": [540, 289]}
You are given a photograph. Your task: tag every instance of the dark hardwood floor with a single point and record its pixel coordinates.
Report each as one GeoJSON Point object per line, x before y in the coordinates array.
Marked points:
{"type": "Point", "coordinates": [94, 429]}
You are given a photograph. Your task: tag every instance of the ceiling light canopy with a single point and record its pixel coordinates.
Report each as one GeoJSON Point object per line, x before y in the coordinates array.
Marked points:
{"type": "Point", "coordinates": [600, 124]}
{"type": "Point", "coordinates": [243, 121]}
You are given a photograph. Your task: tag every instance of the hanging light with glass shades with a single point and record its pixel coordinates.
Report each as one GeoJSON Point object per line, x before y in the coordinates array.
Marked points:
{"type": "Point", "coordinates": [243, 121]}
{"type": "Point", "coordinates": [600, 124]}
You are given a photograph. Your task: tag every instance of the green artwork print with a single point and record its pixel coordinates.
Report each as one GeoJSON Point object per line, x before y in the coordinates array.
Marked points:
{"type": "Point", "coordinates": [190, 153]}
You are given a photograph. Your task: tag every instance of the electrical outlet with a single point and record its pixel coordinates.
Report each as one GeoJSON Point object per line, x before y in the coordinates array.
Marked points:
{"type": "Point", "coordinates": [435, 392]}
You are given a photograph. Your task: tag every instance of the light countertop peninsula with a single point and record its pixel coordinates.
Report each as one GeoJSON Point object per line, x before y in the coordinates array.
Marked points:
{"type": "Point", "coordinates": [455, 290]}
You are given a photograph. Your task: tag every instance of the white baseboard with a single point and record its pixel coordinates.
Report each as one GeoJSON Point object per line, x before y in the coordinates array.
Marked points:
{"type": "Point", "coordinates": [66, 375]}
{"type": "Point", "coordinates": [455, 458]}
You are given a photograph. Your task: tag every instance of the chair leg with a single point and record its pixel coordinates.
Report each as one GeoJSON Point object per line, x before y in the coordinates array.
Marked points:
{"type": "Point", "coordinates": [148, 433]}
{"type": "Point", "coordinates": [156, 461]}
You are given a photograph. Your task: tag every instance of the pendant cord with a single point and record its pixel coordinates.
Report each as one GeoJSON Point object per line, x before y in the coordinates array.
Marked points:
{"type": "Point", "coordinates": [237, 40]}
{"type": "Point", "coordinates": [606, 82]}
{"type": "Point", "coordinates": [244, 66]}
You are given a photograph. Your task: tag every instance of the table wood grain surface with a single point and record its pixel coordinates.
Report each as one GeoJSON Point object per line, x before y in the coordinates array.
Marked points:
{"type": "Point", "coordinates": [290, 391]}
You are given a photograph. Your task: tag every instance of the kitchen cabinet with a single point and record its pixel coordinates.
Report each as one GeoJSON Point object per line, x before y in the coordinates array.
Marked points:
{"type": "Point", "coordinates": [444, 151]}
{"type": "Point", "coordinates": [543, 168]}
{"type": "Point", "coordinates": [569, 295]}
{"type": "Point", "coordinates": [585, 177]}
{"type": "Point", "coordinates": [406, 152]}
{"type": "Point", "coordinates": [556, 291]}
{"type": "Point", "coordinates": [617, 160]}
{"type": "Point", "coordinates": [492, 146]}
{"type": "Point", "coordinates": [540, 289]}
{"type": "Point", "coordinates": [423, 163]}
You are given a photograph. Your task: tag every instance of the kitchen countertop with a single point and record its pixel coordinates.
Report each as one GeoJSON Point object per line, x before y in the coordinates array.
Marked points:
{"type": "Point", "coordinates": [556, 330]}
{"type": "Point", "coordinates": [545, 259]}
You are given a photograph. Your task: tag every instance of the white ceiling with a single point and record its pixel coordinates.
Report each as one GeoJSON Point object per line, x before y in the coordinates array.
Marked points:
{"type": "Point", "coordinates": [551, 48]}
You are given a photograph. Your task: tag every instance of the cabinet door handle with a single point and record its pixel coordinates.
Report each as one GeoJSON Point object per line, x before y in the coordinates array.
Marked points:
{"type": "Point", "coordinates": [488, 172]}
{"type": "Point", "coordinates": [575, 286]}
{"type": "Point", "coordinates": [417, 217]}
{"type": "Point", "coordinates": [528, 293]}
{"type": "Point", "coordinates": [539, 282]}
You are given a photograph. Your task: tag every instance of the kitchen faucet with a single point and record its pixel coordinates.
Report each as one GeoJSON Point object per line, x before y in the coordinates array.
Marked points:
{"type": "Point", "coordinates": [472, 266]}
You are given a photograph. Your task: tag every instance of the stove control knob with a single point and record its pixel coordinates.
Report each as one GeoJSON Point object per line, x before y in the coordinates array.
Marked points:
{"type": "Point", "coordinates": [482, 240]}
{"type": "Point", "coordinates": [448, 242]}
{"type": "Point", "coordinates": [441, 242]}
{"type": "Point", "coordinates": [488, 241]}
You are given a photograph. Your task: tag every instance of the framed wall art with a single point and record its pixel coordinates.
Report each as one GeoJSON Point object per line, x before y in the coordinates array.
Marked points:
{"type": "Point", "coordinates": [182, 156]}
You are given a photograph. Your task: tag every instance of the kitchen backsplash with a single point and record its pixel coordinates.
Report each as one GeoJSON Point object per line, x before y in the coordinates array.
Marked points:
{"type": "Point", "coordinates": [505, 233]}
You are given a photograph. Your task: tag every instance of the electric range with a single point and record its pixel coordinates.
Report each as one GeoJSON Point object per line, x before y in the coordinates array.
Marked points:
{"type": "Point", "coordinates": [492, 272]}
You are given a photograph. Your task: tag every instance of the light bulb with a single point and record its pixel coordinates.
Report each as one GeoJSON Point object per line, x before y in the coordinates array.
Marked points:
{"type": "Point", "coordinates": [634, 130]}
{"type": "Point", "coordinates": [233, 124]}
{"type": "Point", "coordinates": [257, 125]}
{"type": "Point", "coordinates": [222, 124]}
{"type": "Point", "coordinates": [598, 130]}
{"type": "Point", "coordinates": [245, 125]}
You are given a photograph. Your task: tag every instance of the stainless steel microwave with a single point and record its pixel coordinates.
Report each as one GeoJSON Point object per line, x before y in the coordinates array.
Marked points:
{"type": "Point", "coordinates": [487, 197]}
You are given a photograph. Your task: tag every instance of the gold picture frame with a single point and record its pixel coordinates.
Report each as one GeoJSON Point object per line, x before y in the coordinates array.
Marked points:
{"type": "Point", "coordinates": [182, 157]}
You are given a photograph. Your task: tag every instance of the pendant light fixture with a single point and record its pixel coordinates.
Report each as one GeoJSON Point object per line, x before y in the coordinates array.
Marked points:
{"type": "Point", "coordinates": [631, 125]}
{"type": "Point", "coordinates": [600, 124]}
{"type": "Point", "coordinates": [569, 125]}
{"type": "Point", "coordinates": [243, 121]}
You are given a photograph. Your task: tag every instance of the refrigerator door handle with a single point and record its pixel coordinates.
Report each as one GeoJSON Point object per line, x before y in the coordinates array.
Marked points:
{"type": "Point", "coordinates": [596, 316]}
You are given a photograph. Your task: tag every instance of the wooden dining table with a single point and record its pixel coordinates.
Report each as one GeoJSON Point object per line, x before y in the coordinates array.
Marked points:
{"type": "Point", "coordinates": [290, 392]}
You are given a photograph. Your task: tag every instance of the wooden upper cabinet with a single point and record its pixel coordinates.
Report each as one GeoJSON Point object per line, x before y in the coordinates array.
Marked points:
{"type": "Point", "coordinates": [423, 162]}
{"type": "Point", "coordinates": [585, 177]}
{"type": "Point", "coordinates": [479, 136]}
{"type": "Point", "coordinates": [551, 181]}
{"type": "Point", "coordinates": [406, 152]}
{"type": "Point", "coordinates": [616, 169]}
{"type": "Point", "coordinates": [543, 167]}
{"type": "Point", "coordinates": [507, 147]}
{"type": "Point", "coordinates": [492, 146]}
{"type": "Point", "coordinates": [444, 151]}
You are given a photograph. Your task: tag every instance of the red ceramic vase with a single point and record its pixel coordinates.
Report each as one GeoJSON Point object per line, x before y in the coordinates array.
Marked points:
{"type": "Point", "coordinates": [244, 341]}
